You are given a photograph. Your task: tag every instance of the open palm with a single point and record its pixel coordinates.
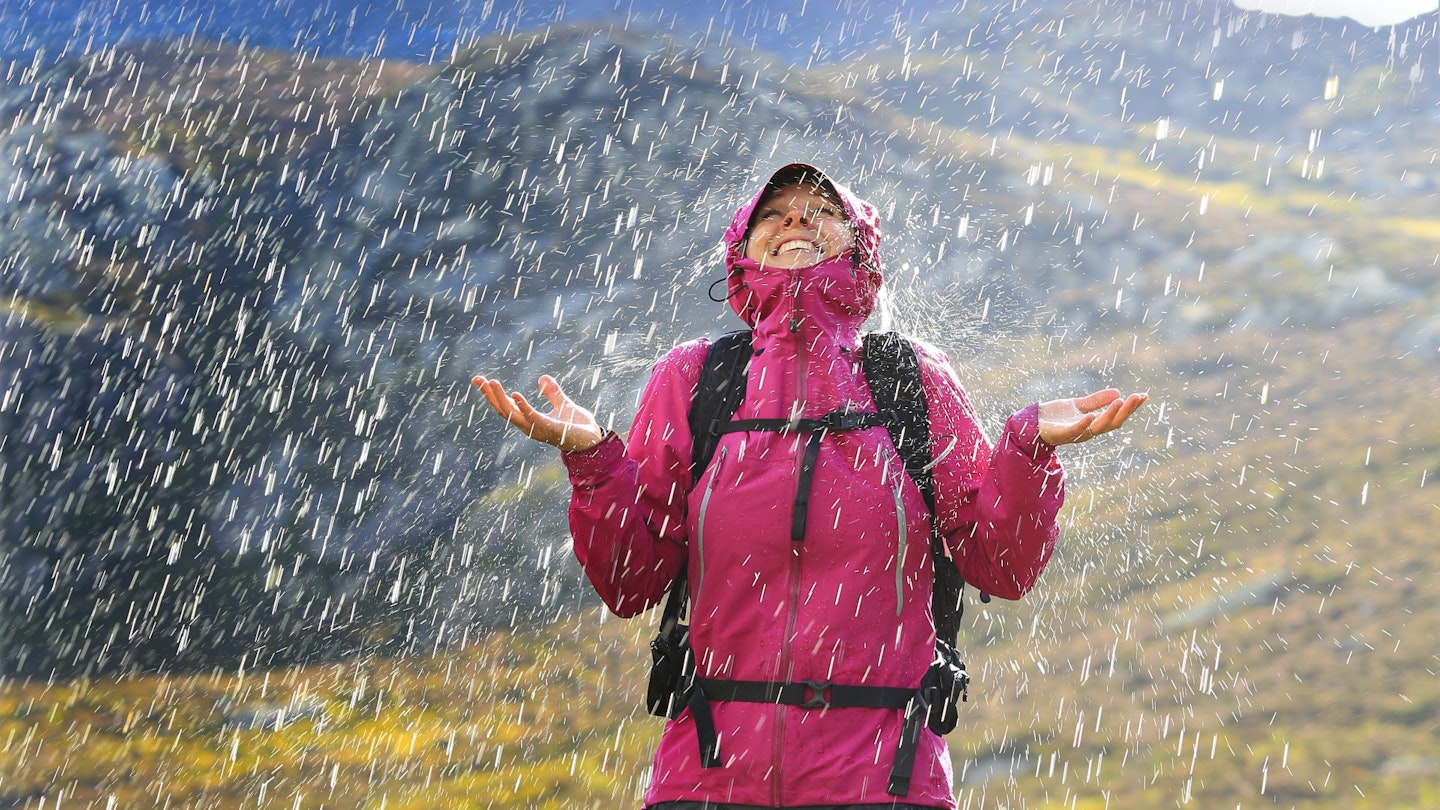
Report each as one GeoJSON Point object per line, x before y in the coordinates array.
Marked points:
{"type": "Point", "coordinates": [1067, 421]}
{"type": "Point", "coordinates": [567, 426]}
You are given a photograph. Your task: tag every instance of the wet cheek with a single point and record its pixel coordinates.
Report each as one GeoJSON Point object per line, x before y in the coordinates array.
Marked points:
{"type": "Point", "coordinates": [755, 243]}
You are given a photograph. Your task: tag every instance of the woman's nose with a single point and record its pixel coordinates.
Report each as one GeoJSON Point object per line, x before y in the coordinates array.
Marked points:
{"type": "Point", "coordinates": [797, 216]}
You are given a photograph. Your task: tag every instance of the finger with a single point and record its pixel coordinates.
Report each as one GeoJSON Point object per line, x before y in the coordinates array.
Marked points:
{"type": "Point", "coordinates": [1132, 404]}
{"type": "Point", "coordinates": [1067, 433]}
{"type": "Point", "coordinates": [1126, 407]}
{"type": "Point", "coordinates": [484, 383]}
{"type": "Point", "coordinates": [1108, 419]}
{"type": "Point", "coordinates": [1120, 410]}
{"type": "Point", "coordinates": [514, 415]}
{"type": "Point", "coordinates": [550, 388]}
{"type": "Point", "coordinates": [543, 424]}
{"type": "Point", "coordinates": [499, 400]}
{"type": "Point", "coordinates": [504, 404]}
{"type": "Point", "coordinates": [1083, 430]}
{"type": "Point", "coordinates": [495, 395]}
{"type": "Point", "coordinates": [1097, 400]}
{"type": "Point", "coordinates": [533, 423]}
{"type": "Point", "coordinates": [523, 406]}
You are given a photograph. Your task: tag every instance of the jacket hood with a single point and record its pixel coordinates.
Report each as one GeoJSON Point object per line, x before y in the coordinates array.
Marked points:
{"type": "Point", "coordinates": [865, 256]}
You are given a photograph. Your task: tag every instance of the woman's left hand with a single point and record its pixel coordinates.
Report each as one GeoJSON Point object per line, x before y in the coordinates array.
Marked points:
{"type": "Point", "coordinates": [1067, 421]}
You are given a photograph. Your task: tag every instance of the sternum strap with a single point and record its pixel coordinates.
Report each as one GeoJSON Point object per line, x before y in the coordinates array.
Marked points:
{"type": "Point", "coordinates": [817, 428]}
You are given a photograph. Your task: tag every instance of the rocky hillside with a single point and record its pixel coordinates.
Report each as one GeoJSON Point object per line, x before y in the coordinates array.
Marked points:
{"type": "Point", "coordinates": [244, 291]}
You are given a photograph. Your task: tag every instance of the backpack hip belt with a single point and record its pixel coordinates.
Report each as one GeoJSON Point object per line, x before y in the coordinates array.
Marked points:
{"type": "Point", "coordinates": [823, 695]}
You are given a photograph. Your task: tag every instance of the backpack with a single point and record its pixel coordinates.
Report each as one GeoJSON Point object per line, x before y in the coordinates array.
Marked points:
{"type": "Point", "coordinates": [892, 371]}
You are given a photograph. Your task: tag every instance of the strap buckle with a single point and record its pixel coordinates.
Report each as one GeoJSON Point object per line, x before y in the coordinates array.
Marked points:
{"type": "Point", "coordinates": [848, 420]}
{"type": "Point", "coordinates": [815, 694]}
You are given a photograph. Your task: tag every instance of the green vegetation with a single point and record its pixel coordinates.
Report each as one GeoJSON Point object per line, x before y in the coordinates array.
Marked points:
{"type": "Point", "coordinates": [515, 720]}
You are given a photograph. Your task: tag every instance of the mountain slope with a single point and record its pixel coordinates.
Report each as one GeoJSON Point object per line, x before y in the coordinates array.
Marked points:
{"type": "Point", "coordinates": [244, 292]}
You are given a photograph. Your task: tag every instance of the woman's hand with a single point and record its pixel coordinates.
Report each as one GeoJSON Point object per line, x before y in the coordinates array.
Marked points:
{"type": "Point", "coordinates": [568, 426]}
{"type": "Point", "coordinates": [1067, 421]}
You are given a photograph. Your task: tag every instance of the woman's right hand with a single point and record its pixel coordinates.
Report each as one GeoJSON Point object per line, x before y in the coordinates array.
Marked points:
{"type": "Point", "coordinates": [568, 426]}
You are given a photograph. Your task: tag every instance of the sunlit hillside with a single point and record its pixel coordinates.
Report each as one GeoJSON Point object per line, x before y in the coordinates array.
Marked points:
{"type": "Point", "coordinates": [1236, 616]}
{"type": "Point", "coordinates": [533, 719]}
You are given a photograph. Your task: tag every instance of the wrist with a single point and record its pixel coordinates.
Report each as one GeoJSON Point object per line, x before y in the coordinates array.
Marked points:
{"type": "Point", "coordinates": [581, 442]}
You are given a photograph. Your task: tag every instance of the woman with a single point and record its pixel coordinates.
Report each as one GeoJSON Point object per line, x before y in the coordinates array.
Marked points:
{"type": "Point", "coordinates": [847, 601]}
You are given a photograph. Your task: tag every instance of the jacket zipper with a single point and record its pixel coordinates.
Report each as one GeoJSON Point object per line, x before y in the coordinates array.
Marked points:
{"type": "Point", "coordinates": [700, 525]}
{"type": "Point", "coordinates": [781, 710]}
{"type": "Point", "coordinates": [892, 476]}
{"type": "Point", "coordinates": [802, 369]}
{"type": "Point", "coordinates": [792, 617]}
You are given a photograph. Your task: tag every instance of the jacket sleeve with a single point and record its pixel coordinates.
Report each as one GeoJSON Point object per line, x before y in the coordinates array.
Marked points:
{"type": "Point", "coordinates": [996, 506]}
{"type": "Point", "coordinates": [628, 498]}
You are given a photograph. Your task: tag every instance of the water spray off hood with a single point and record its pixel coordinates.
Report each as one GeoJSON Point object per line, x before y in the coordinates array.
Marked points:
{"type": "Point", "coordinates": [863, 261]}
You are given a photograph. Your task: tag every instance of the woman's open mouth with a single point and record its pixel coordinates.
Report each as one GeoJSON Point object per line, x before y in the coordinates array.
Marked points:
{"type": "Point", "coordinates": [796, 245]}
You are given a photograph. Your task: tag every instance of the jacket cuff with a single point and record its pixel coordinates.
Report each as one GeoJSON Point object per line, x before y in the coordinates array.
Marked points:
{"type": "Point", "coordinates": [588, 468]}
{"type": "Point", "coordinates": [1022, 429]}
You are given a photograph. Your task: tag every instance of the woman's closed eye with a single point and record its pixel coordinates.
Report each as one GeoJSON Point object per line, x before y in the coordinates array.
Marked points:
{"type": "Point", "coordinates": [829, 213]}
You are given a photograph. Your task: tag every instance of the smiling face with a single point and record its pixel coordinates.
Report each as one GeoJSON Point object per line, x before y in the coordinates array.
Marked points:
{"type": "Point", "coordinates": [798, 225]}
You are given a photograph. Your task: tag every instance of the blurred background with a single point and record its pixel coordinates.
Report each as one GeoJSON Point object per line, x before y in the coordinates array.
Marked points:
{"type": "Point", "coordinates": [261, 544]}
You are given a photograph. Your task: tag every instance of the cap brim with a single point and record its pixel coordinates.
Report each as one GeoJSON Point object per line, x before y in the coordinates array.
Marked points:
{"type": "Point", "coordinates": [799, 173]}
{"type": "Point", "coordinates": [795, 174]}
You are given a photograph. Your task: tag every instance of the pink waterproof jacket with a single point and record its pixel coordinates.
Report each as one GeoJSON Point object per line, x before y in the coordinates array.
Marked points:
{"type": "Point", "coordinates": [850, 604]}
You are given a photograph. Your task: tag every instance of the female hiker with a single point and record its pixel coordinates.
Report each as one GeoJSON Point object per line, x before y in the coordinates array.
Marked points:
{"type": "Point", "coordinates": [804, 543]}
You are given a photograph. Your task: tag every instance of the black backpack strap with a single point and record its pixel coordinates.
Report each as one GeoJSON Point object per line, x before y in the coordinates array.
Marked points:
{"type": "Point", "coordinates": [892, 370]}
{"type": "Point", "coordinates": [671, 664]}
{"type": "Point", "coordinates": [718, 395]}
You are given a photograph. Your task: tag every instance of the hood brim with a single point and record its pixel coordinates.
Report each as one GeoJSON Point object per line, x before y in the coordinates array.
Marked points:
{"type": "Point", "coordinates": [862, 216]}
